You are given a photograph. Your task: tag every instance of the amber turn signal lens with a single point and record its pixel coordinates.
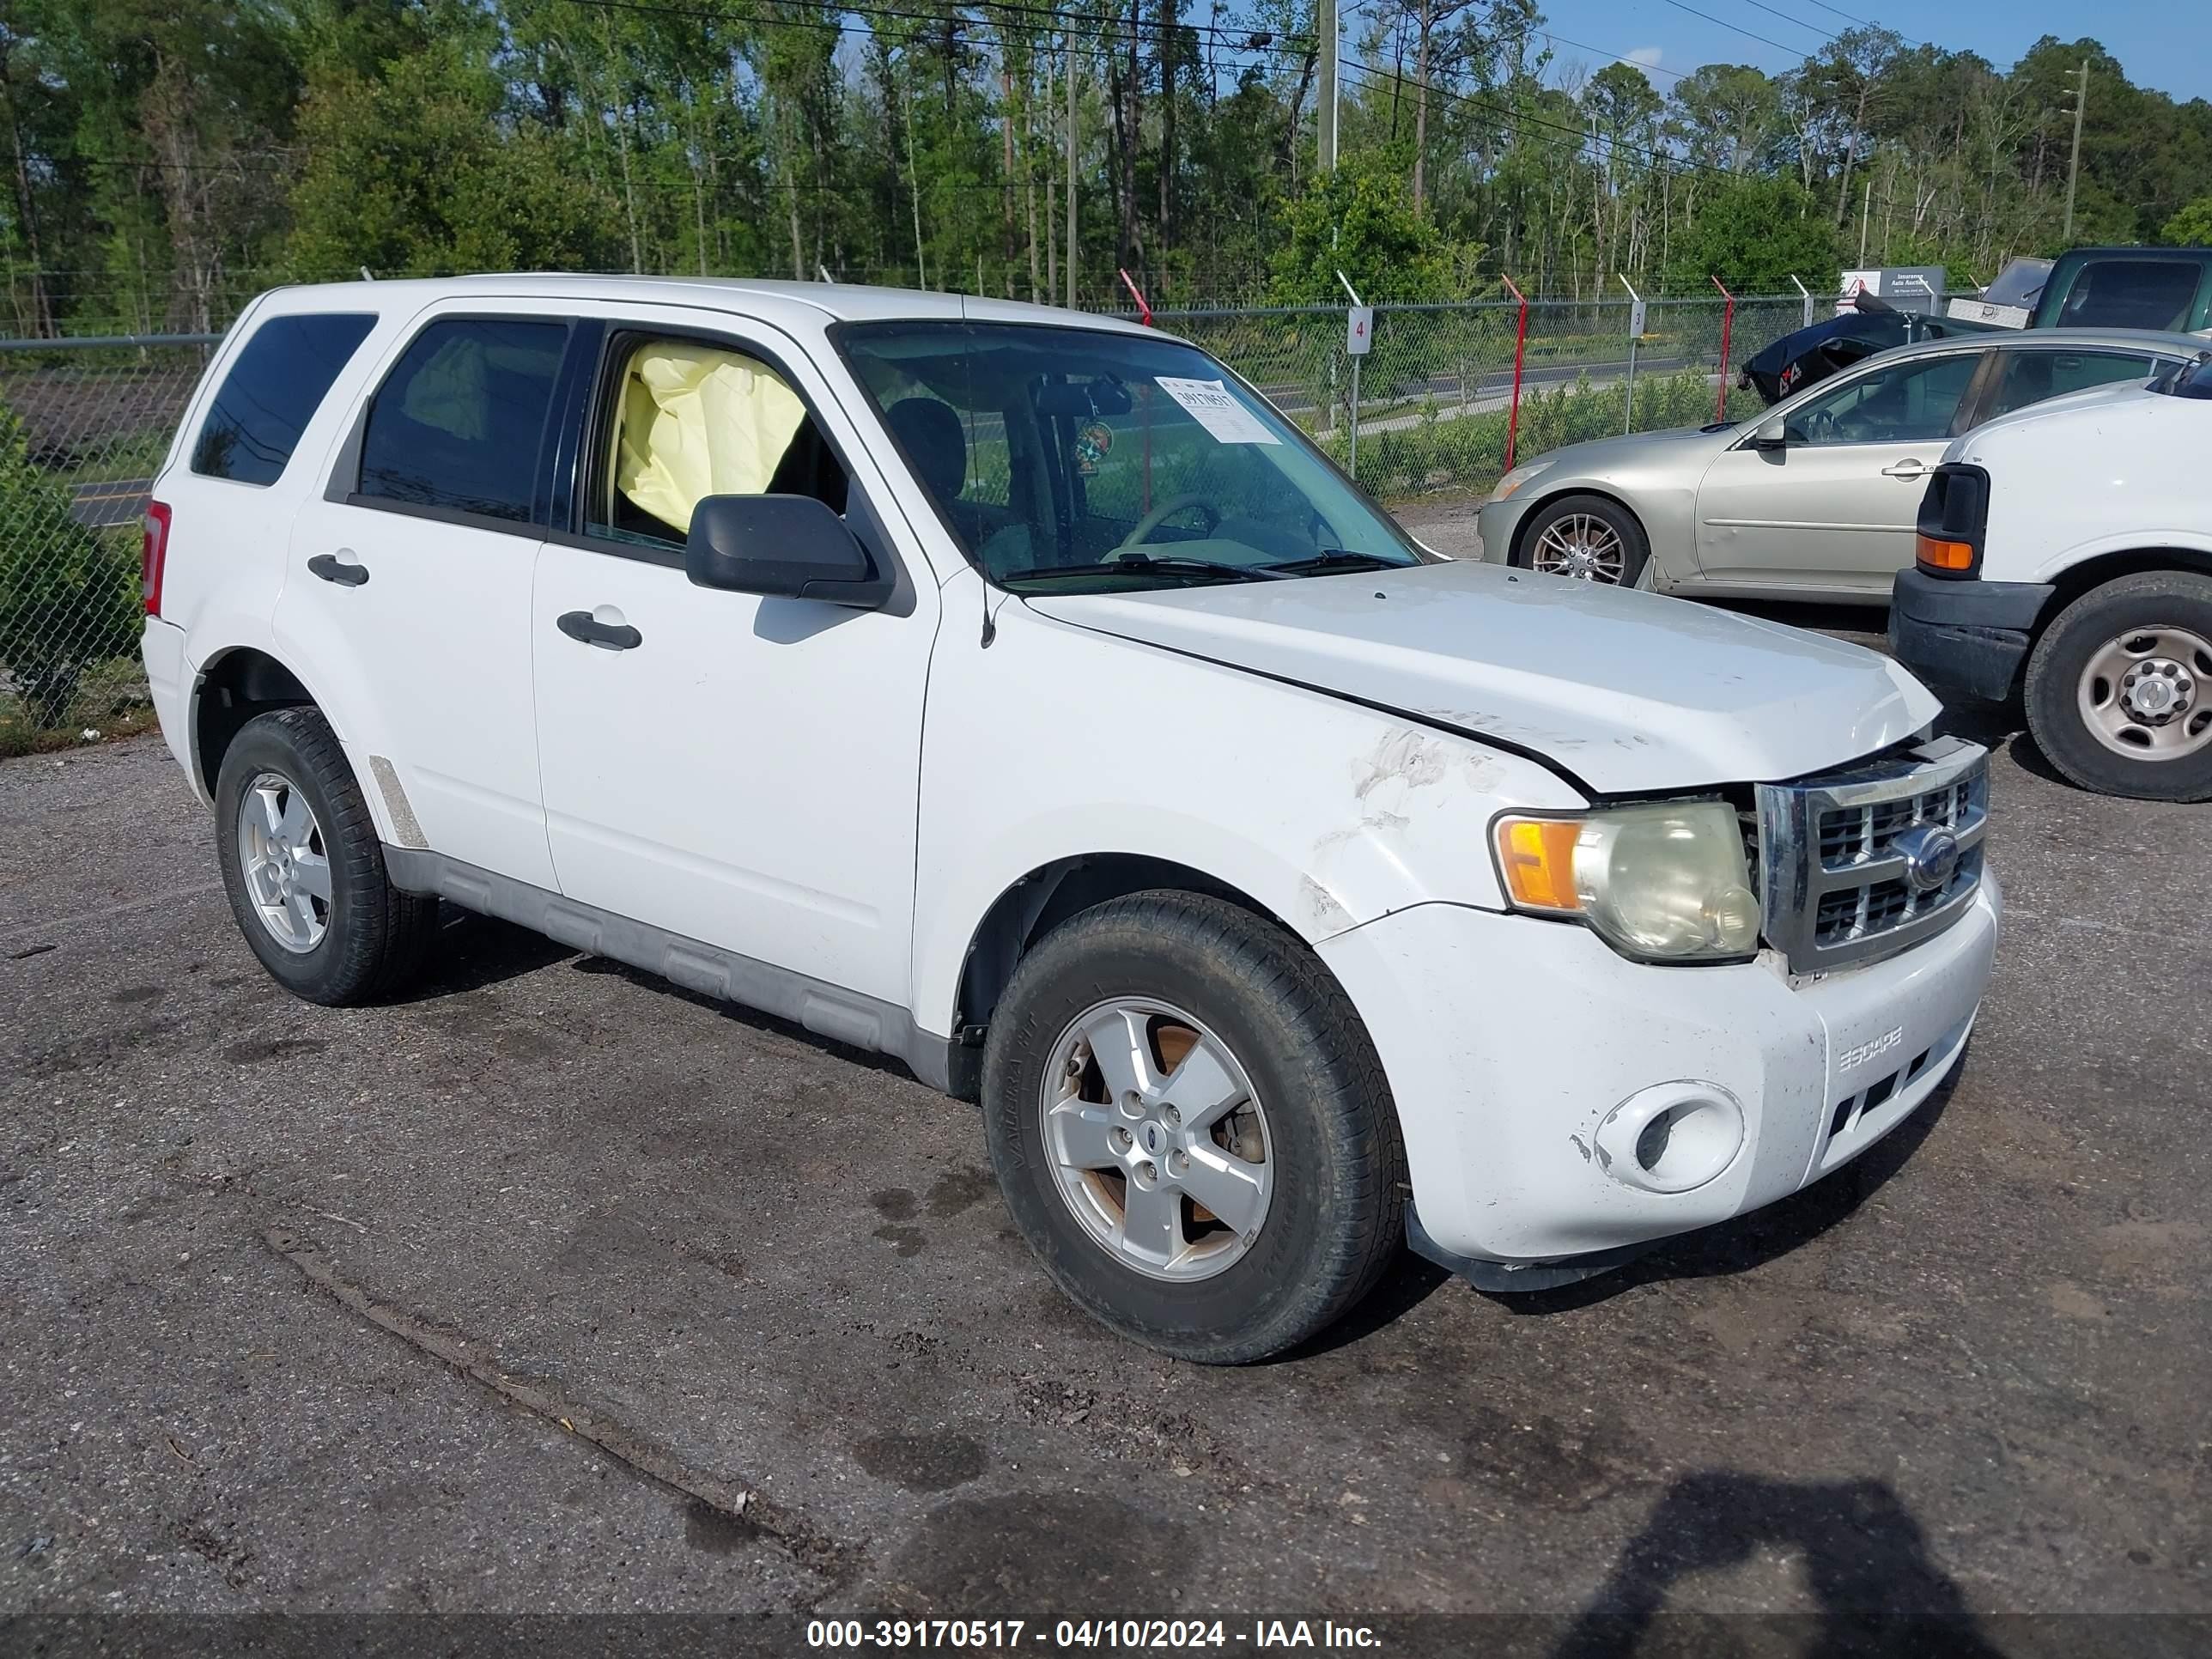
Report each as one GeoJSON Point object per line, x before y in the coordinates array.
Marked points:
{"type": "Point", "coordinates": [1538, 858]}
{"type": "Point", "coordinates": [1937, 555]}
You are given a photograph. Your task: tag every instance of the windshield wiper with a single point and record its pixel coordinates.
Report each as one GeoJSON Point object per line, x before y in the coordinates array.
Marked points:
{"type": "Point", "coordinates": [1336, 558]}
{"type": "Point", "coordinates": [1142, 562]}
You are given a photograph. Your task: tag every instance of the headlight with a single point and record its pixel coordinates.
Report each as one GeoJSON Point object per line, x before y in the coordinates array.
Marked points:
{"type": "Point", "coordinates": [1513, 480]}
{"type": "Point", "coordinates": [1665, 882]}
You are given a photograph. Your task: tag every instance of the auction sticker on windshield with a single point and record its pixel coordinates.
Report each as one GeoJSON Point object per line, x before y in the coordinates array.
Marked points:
{"type": "Point", "coordinates": [1213, 407]}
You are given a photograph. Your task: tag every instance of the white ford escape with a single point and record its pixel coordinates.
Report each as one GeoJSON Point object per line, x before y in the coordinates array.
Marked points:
{"type": "Point", "coordinates": [1018, 693]}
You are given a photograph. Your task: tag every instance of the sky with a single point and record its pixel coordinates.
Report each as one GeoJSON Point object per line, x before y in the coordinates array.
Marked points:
{"type": "Point", "coordinates": [2162, 44]}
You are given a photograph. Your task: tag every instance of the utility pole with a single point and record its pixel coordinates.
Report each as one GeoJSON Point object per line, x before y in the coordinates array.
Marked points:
{"type": "Point", "coordinates": [1325, 104]}
{"type": "Point", "coordinates": [1070, 169]}
{"type": "Point", "coordinates": [2074, 166]}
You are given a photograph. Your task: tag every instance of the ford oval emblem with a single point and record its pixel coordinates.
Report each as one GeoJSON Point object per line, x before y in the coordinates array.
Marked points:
{"type": "Point", "coordinates": [1931, 857]}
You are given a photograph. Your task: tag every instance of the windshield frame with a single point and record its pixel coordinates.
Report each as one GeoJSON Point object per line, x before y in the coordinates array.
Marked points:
{"type": "Point", "coordinates": [843, 331]}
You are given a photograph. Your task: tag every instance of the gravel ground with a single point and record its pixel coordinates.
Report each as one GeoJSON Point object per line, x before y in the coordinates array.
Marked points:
{"type": "Point", "coordinates": [554, 1289]}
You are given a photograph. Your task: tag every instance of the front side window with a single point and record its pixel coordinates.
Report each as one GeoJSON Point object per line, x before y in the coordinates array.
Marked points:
{"type": "Point", "coordinates": [277, 381]}
{"type": "Point", "coordinates": [2131, 293]}
{"type": "Point", "coordinates": [687, 420]}
{"type": "Point", "coordinates": [1911, 402]}
{"type": "Point", "coordinates": [1065, 460]}
{"type": "Point", "coordinates": [457, 424]}
{"type": "Point", "coordinates": [2031, 375]}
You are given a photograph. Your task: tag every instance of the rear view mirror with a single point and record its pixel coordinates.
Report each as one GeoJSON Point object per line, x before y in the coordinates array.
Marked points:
{"type": "Point", "coordinates": [790, 547]}
{"type": "Point", "coordinates": [1771, 433]}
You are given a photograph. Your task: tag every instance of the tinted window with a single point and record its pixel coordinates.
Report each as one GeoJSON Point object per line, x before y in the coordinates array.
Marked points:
{"type": "Point", "coordinates": [2131, 293]}
{"type": "Point", "coordinates": [690, 420]}
{"type": "Point", "coordinates": [457, 422]}
{"type": "Point", "coordinates": [272, 392]}
{"type": "Point", "coordinates": [2030, 376]}
{"type": "Point", "coordinates": [1906, 402]}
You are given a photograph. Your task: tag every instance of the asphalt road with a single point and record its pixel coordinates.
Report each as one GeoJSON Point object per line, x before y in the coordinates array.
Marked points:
{"type": "Point", "coordinates": [553, 1288]}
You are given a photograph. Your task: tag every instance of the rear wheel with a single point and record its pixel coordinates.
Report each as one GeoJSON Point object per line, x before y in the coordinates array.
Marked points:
{"type": "Point", "coordinates": [1587, 538]}
{"type": "Point", "coordinates": [304, 868]}
{"type": "Point", "coordinates": [1192, 1128]}
{"type": "Point", "coordinates": [2118, 690]}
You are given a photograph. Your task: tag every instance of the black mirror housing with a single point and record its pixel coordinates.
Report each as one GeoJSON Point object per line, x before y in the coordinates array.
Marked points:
{"type": "Point", "coordinates": [789, 547]}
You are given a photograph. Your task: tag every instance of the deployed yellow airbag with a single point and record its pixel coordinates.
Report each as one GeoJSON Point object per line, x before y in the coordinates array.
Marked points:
{"type": "Point", "coordinates": [697, 423]}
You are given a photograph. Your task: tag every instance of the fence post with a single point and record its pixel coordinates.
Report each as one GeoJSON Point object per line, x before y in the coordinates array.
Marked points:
{"type": "Point", "coordinates": [1358, 335]}
{"type": "Point", "coordinates": [1807, 294]}
{"type": "Point", "coordinates": [1727, 322]}
{"type": "Point", "coordinates": [1635, 333]}
{"type": "Point", "coordinates": [1144, 311]}
{"type": "Point", "coordinates": [1520, 348]}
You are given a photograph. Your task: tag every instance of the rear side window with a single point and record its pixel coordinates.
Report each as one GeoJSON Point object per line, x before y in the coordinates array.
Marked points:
{"type": "Point", "coordinates": [2033, 373]}
{"type": "Point", "coordinates": [272, 392]}
{"type": "Point", "coordinates": [456, 425]}
{"type": "Point", "coordinates": [2131, 293]}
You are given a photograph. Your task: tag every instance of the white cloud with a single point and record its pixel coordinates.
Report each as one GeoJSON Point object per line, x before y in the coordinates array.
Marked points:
{"type": "Point", "coordinates": [1647, 55]}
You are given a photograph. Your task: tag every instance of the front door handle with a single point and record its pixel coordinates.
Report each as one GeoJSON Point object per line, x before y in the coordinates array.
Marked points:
{"type": "Point", "coordinates": [1906, 469]}
{"type": "Point", "coordinates": [581, 625]}
{"type": "Point", "coordinates": [333, 568]}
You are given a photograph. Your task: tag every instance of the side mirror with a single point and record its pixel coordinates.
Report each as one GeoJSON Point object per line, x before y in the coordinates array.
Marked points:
{"type": "Point", "coordinates": [789, 547]}
{"type": "Point", "coordinates": [1771, 433]}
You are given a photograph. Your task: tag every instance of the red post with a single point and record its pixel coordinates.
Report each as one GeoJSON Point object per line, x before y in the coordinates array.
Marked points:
{"type": "Point", "coordinates": [1144, 311]}
{"type": "Point", "coordinates": [1520, 351]}
{"type": "Point", "coordinates": [1728, 323]}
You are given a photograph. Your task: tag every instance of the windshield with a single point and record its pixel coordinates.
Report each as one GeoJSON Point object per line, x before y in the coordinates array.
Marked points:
{"type": "Point", "coordinates": [1067, 460]}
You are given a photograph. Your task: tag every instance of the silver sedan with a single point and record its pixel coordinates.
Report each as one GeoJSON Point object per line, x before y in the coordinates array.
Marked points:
{"type": "Point", "coordinates": [1815, 499]}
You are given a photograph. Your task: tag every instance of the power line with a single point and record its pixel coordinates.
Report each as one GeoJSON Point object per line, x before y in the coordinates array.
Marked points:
{"type": "Point", "coordinates": [1748, 34]}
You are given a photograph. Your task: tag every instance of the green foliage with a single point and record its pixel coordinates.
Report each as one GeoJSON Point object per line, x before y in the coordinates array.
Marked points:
{"type": "Point", "coordinates": [2191, 226]}
{"type": "Point", "coordinates": [69, 596]}
{"type": "Point", "coordinates": [411, 173]}
{"type": "Point", "coordinates": [1754, 234]}
{"type": "Point", "coordinates": [1360, 220]}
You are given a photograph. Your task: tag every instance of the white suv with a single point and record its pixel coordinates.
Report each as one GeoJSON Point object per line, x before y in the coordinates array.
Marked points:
{"type": "Point", "coordinates": [1019, 694]}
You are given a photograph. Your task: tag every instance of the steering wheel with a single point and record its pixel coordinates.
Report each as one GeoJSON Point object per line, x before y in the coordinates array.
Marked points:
{"type": "Point", "coordinates": [1141, 532]}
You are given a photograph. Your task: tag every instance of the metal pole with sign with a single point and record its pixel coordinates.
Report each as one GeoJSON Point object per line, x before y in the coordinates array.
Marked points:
{"type": "Point", "coordinates": [1636, 318]}
{"type": "Point", "coordinates": [1806, 293]}
{"type": "Point", "coordinates": [1358, 337]}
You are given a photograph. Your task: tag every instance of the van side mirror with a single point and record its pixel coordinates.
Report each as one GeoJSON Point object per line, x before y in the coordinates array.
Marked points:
{"type": "Point", "coordinates": [790, 547]}
{"type": "Point", "coordinates": [1771, 433]}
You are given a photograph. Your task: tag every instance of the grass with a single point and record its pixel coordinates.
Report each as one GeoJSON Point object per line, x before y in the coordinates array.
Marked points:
{"type": "Point", "coordinates": [112, 699]}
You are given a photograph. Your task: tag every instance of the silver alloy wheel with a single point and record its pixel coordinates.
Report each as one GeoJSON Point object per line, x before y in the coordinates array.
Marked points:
{"type": "Point", "coordinates": [286, 863]}
{"type": "Point", "coordinates": [1157, 1139]}
{"type": "Point", "coordinates": [1582, 546]}
{"type": "Point", "coordinates": [2147, 694]}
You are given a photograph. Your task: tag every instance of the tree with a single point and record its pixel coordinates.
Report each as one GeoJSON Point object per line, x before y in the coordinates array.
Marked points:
{"type": "Point", "coordinates": [2191, 226]}
{"type": "Point", "coordinates": [1359, 221]}
{"type": "Point", "coordinates": [1754, 234]}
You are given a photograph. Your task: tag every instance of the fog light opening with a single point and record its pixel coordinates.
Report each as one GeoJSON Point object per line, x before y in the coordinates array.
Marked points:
{"type": "Point", "coordinates": [1671, 1138]}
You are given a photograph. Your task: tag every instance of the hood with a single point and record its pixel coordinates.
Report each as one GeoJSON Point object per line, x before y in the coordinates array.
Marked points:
{"type": "Point", "coordinates": [1630, 692]}
{"type": "Point", "coordinates": [1593, 454]}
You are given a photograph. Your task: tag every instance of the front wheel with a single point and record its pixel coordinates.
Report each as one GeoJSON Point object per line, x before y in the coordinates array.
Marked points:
{"type": "Point", "coordinates": [1587, 538]}
{"type": "Point", "coordinates": [1192, 1128]}
{"type": "Point", "coordinates": [2118, 690]}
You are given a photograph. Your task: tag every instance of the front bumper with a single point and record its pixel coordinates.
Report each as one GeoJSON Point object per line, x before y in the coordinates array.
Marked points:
{"type": "Point", "coordinates": [1514, 1047]}
{"type": "Point", "coordinates": [1496, 526]}
{"type": "Point", "coordinates": [1965, 638]}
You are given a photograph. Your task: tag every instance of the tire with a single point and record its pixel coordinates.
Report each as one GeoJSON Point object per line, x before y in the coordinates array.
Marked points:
{"type": "Point", "coordinates": [2095, 660]}
{"type": "Point", "coordinates": [365, 939]}
{"type": "Point", "coordinates": [1602, 539]}
{"type": "Point", "coordinates": [1332, 1167]}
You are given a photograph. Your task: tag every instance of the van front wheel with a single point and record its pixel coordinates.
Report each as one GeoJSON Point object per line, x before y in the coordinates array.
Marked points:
{"type": "Point", "coordinates": [1192, 1128]}
{"type": "Point", "coordinates": [2119, 691]}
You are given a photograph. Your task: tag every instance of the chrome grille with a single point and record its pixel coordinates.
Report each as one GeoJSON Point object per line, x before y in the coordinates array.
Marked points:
{"type": "Point", "coordinates": [1862, 863]}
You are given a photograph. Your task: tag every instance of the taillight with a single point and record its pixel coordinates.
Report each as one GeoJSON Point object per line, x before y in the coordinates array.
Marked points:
{"type": "Point", "coordinates": [154, 556]}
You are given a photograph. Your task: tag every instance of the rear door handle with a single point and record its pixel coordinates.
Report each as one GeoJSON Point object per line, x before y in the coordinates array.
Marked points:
{"type": "Point", "coordinates": [339, 568]}
{"type": "Point", "coordinates": [582, 626]}
{"type": "Point", "coordinates": [1906, 469]}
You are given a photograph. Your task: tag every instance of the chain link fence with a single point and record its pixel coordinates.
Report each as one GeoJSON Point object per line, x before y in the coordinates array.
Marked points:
{"type": "Point", "coordinates": [84, 424]}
